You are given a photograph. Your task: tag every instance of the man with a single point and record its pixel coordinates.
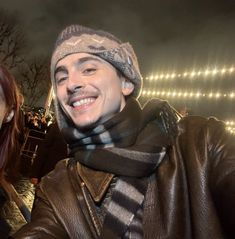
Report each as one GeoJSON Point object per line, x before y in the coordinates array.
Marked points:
{"type": "Point", "coordinates": [132, 172]}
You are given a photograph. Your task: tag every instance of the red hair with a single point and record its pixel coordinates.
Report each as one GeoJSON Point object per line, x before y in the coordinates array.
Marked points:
{"type": "Point", "coordinates": [9, 131]}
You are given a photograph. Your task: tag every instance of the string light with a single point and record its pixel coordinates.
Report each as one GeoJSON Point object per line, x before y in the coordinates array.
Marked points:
{"type": "Point", "coordinates": [206, 73]}
{"type": "Point", "coordinates": [230, 126]}
{"type": "Point", "coordinates": [187, 94]}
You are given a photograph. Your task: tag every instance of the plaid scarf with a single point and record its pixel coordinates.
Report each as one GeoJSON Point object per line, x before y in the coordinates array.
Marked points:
{"type": "Point", "coordinates": [122, 147]}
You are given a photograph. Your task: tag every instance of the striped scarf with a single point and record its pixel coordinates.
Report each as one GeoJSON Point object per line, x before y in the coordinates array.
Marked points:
{"type": "Point", "coordinates": [122, 147]}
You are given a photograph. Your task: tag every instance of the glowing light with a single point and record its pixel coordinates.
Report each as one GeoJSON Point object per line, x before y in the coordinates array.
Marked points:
{"type": "Point", "coordinates": [214, 71]}
{"type": "Point", "coordinates": [223, 70]}
{"type": "Point", "coordinates": [231, 95]}
{"type": "Point", "coordinates": [187, 94]}
{"type": "Point", "coordinates": [207, 72]}
{"type": "Point", "coordinates": [191, 94]}
{"type": "Point", "coordinates": [193, 74]}
{"type": "Point", "coordinates": [229, 122]}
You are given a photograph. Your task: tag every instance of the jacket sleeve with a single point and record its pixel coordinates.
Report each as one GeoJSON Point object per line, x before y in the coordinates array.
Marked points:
{"type": "Point", "coordinates": [43, 222]}
{"type": "Point", "coordinates": [222, 179]}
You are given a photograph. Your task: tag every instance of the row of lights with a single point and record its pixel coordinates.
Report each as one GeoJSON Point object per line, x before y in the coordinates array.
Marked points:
{"type": "Point", "coordinates": [191, 74]}
{"type": "Point", "coordinates": [186, 94]}
{"type": "Point", "coordinates": [230, 123]}
{"type": "Point", "coordinates": [230, 126]}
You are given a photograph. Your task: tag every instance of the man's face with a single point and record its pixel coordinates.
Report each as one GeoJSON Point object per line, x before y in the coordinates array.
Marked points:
{"type": "Point", "coordinates": [89, 89]}
{"type": "Point", "coordinates": [2, 106]}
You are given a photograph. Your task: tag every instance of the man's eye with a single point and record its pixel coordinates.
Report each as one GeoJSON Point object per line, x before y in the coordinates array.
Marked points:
{"type": "Point", "coordinates": [60, 80]}
{"type": "Point", "coordinates": [89, 70]}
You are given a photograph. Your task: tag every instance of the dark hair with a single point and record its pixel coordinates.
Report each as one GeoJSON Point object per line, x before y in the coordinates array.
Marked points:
{"type": "Point", "coordinates": [9, 131]}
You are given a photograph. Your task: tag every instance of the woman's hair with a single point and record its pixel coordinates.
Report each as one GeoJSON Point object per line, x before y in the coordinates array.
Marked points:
{"type": "Point", "coordinates": [9, 131]}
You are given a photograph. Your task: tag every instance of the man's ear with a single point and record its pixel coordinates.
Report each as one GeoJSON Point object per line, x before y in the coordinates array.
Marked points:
{"type": "Point", "coordinates": [127, 87]}
{"type": "Point", "coordinates": [9, 116]}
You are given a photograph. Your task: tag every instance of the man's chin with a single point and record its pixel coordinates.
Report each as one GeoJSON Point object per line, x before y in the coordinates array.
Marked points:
{"type": "Point", "coordinates": [85, 126]}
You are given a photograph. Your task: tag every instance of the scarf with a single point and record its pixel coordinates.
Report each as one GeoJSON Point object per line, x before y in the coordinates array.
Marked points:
{"type": "Point", "coordinates": [126, 147]}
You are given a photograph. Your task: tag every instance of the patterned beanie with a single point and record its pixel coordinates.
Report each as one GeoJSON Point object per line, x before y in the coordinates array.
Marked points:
{"type": "Point", "coordinates": [80, 39]}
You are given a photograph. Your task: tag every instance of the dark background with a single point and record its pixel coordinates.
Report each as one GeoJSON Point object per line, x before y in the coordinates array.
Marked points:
{"type": "Point", "coordinates": [168, 35]}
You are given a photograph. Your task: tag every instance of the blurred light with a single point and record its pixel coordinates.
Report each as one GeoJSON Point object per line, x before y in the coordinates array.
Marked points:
{"type": "Point", "coordinates": [223, 70]}
{"type": "Point", "coordinates": [207, 72]}
{"type": "Point", "coordinates": [214, 71]}
{"type": "Point", "coordinates": [187, 94]}
{"type": "Point", "coordinates": [193, 74]}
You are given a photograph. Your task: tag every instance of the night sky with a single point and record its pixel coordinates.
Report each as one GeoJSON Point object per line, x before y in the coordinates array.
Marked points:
{"type": "Point", "coordinates": [166, 34]}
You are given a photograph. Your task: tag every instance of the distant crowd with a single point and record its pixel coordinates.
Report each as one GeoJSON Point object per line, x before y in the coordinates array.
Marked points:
{"type": "Point", "coordinates": [36, 119]}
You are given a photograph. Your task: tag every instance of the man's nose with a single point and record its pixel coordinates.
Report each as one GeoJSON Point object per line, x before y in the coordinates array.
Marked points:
{"type": "Point", "coordinates": [74, 83]}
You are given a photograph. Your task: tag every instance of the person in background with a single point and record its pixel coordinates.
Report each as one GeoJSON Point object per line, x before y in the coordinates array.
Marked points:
{"type": "Point", "coordinates": [132, 172]}
{"type": "Point", "coordinates": [51, 150]}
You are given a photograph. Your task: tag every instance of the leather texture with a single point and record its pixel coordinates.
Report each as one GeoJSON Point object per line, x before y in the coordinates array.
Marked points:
{"type": "Point", "coordinates": [190, 195]}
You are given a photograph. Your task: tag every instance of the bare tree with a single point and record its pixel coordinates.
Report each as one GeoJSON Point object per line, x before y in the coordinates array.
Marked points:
{"type": "Point", "coordinates": [12, 40]}
{"type": "Point", "coordinates": [33, 80]}
{"type": "Point", "coordinates": [31, 75]}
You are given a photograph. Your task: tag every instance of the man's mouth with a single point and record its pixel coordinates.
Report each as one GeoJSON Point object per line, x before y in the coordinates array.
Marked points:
{"type": "Point", "coordinates": [82, 102]}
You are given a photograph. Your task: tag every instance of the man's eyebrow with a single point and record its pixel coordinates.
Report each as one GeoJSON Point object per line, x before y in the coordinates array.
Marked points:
{"type": "Point", "coordinates": [87, 58]}
{"type": "Point", "coordinates": [78, 63]}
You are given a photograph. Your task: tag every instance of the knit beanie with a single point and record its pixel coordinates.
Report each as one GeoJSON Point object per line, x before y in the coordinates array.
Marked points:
{"type": "Point", "coordinates": [80, 39]}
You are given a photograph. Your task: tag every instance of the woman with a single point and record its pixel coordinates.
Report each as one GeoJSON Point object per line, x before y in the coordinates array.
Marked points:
{"type": "Point", "coordinates": [9, 112]}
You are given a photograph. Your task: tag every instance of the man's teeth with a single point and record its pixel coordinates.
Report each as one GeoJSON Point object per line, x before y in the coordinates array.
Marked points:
{"type": "Point", "coordinates": [83, 102]}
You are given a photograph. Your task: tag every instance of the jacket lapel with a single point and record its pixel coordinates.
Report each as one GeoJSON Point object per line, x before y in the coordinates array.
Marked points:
{"type": "Point", "coordinates": [97, 182]}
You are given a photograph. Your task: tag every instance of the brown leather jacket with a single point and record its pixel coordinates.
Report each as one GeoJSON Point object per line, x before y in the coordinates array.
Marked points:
{"type": "Point", "coordinates": [191, 195]}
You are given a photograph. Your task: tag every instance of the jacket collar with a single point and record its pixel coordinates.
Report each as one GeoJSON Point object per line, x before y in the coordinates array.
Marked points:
{"type": "Point", "coordinates": [97, 182]}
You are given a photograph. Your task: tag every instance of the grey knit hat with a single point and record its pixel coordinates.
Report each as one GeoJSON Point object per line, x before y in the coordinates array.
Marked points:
{"type": "Point", "coordinates": [80, 39]}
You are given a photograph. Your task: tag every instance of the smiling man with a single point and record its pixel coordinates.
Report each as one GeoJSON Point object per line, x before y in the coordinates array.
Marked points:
{"type": "Point", "coordinates": [90, 89]}
{"type": "Point", "coordinates": [133, 172]}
